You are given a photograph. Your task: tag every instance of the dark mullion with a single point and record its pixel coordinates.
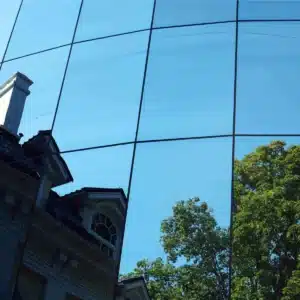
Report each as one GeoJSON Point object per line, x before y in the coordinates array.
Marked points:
{"type": "Point", "coordinates": [10, 36]}
{"type": "Point", "coordinates": [232, 206]}
{"type": "Point", "coordinates": [137, 128]}
{"type": "Point", "coordinates": [67, 66]}
{"type": "Point", "coordinates": [148, 29]}
{"type": "Point", "coordinates": [112, 36]}
{"type": "Point", "coordinates": [96, 147]}
{"type": "Point", "coordinates": [178, 139]}
{"type": "Point", "coordinates": [141, 98]}
{"type": "Point", "coordinates": [37, 52]}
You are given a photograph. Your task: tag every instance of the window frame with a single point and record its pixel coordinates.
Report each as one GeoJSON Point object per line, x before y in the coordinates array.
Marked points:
{"type": "Point", "coordinates": [102, 240]}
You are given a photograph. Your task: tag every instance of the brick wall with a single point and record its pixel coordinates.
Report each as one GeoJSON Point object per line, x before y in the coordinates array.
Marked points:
{"type": "Point", "coordinates": [11, 233]}
{"type": "Point", "coordinates": [58, 282]}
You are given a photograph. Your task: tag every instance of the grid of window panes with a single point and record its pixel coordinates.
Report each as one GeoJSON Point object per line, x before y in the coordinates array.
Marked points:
{"type": "Point", "coordinates": [158, 97]}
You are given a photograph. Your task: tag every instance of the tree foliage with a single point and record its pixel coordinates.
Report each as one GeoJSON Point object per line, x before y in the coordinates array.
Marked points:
{"type": "Point", "coordinates": [266, 225]}
{"type": "Point", "coordinates": [265, 237]}
{"type": "Point", "coordinates": [192, 234]}
{"type": "Point", "coordinates": [161, 279]}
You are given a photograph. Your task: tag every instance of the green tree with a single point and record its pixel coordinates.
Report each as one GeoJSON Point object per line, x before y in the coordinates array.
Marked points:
{"type": "Point", "coordinates": [266, 237]}
{"type": "Point", "coordinates": [191, 234]}
{"type": "Point", "coordinates": [266, 224]}
{"type": "Point", "coordinates": [161, 278]}
{"type": "Point", "coordinates": [292, 290]}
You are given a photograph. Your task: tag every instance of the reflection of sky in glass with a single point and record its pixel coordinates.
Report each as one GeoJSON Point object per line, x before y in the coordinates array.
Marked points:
{"type": "Point", "coordinates": [42, 25]}
{"type": "Point", "coordinates": [268, 78]}
{"type": "Point", "coordinates": [100, 18]}
{"type": "Point", "coordinates": [8, 13]}
{"type": "Point", "coordinates": [189, 87]}
{"type": "Point", "coordinates": [165, 173]}
{"type": "Point", "coordinates": [107, 168]}
{"type": "Point", "coordinates": [180, 12]}
{"type": "Point", "coordinates": [102, 92]}
{"type": "Point", "coordinates": [188, 92]}
{"type": "Point", "coordinates": [269, 10]}
{"type": "Point", "coordinates": [46, 71]}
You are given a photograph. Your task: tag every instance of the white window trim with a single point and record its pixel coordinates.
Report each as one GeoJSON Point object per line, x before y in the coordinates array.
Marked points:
{"type": "Point", "coordinates": [105, 196]}
{"type": "Point", "coordinates": [101, 239]}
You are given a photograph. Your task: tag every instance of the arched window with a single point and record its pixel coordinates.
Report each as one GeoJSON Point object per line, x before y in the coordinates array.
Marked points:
{"type": "Point", "coordinates": [103, 226]}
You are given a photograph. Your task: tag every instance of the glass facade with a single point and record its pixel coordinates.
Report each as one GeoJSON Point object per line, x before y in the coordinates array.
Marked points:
{"type": "Point", "coordinates": [171, 101]}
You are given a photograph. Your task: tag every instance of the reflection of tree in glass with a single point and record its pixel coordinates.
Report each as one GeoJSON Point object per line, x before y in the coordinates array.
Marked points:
{"type": "Point", "coordinates": [266, 244]}
{"type": "Point", "coordinates": [192, 234]}
{"type": "Point", "coordinates": [266, 237]}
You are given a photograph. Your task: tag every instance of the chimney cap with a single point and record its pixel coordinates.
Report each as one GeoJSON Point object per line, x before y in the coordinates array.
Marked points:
{"type": "Point", "coordinates": [18, 78]}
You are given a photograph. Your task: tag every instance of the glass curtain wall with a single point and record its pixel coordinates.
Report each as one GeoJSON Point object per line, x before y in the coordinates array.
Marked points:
{"type": "Point", "coordinates": [192, 107]}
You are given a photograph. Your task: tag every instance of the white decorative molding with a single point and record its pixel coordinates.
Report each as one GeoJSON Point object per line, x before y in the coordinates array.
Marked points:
{"type": "Point", "coordinates": [57, 160]}
{"type": "Point", "coordinates": [106, 196]}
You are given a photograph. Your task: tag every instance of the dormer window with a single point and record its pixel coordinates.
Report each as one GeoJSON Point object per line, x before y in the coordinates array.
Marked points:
{"type": "Point", "coordinates": [107, 232]}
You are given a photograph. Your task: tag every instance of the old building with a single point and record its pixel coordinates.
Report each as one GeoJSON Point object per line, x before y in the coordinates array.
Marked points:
{"type": "Point", "coordinates": [54, 247]}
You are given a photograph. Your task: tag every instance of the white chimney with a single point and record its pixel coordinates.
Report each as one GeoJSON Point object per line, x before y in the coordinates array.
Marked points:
{"type": "Point", "coordinates": [13, 94]}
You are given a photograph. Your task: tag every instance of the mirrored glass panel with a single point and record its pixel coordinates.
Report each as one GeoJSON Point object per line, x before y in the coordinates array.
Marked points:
{"type": "Point", "coordinates": [266, 218]}
{"type": "Point", "coordinates": [101, 95]}
{"type": "Point", "coordinates": [183, 12]}
{"type": "Point", "coordinates": [8, 13]}
{"type": "Point", "coordinates": [99, 168]}
{"type": "Point", "coordinates": [269, 10]}
{"type": "Point", "coordinates": [268, 90]}
{"type": "Point", "coordinates": [180, 209]}
{"type": "Point", "coordinates": [46, 71]}
{"type": "Point", "coordinates": [42, 25]}
{"type": "Point", "coordinates": [189, 86]}
{"type": "Point", "coordinates": [102, 18]}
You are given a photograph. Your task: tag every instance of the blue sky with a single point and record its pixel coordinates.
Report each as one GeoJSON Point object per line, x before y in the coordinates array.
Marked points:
{"type": "Point", "coordinates": [188, 92]}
